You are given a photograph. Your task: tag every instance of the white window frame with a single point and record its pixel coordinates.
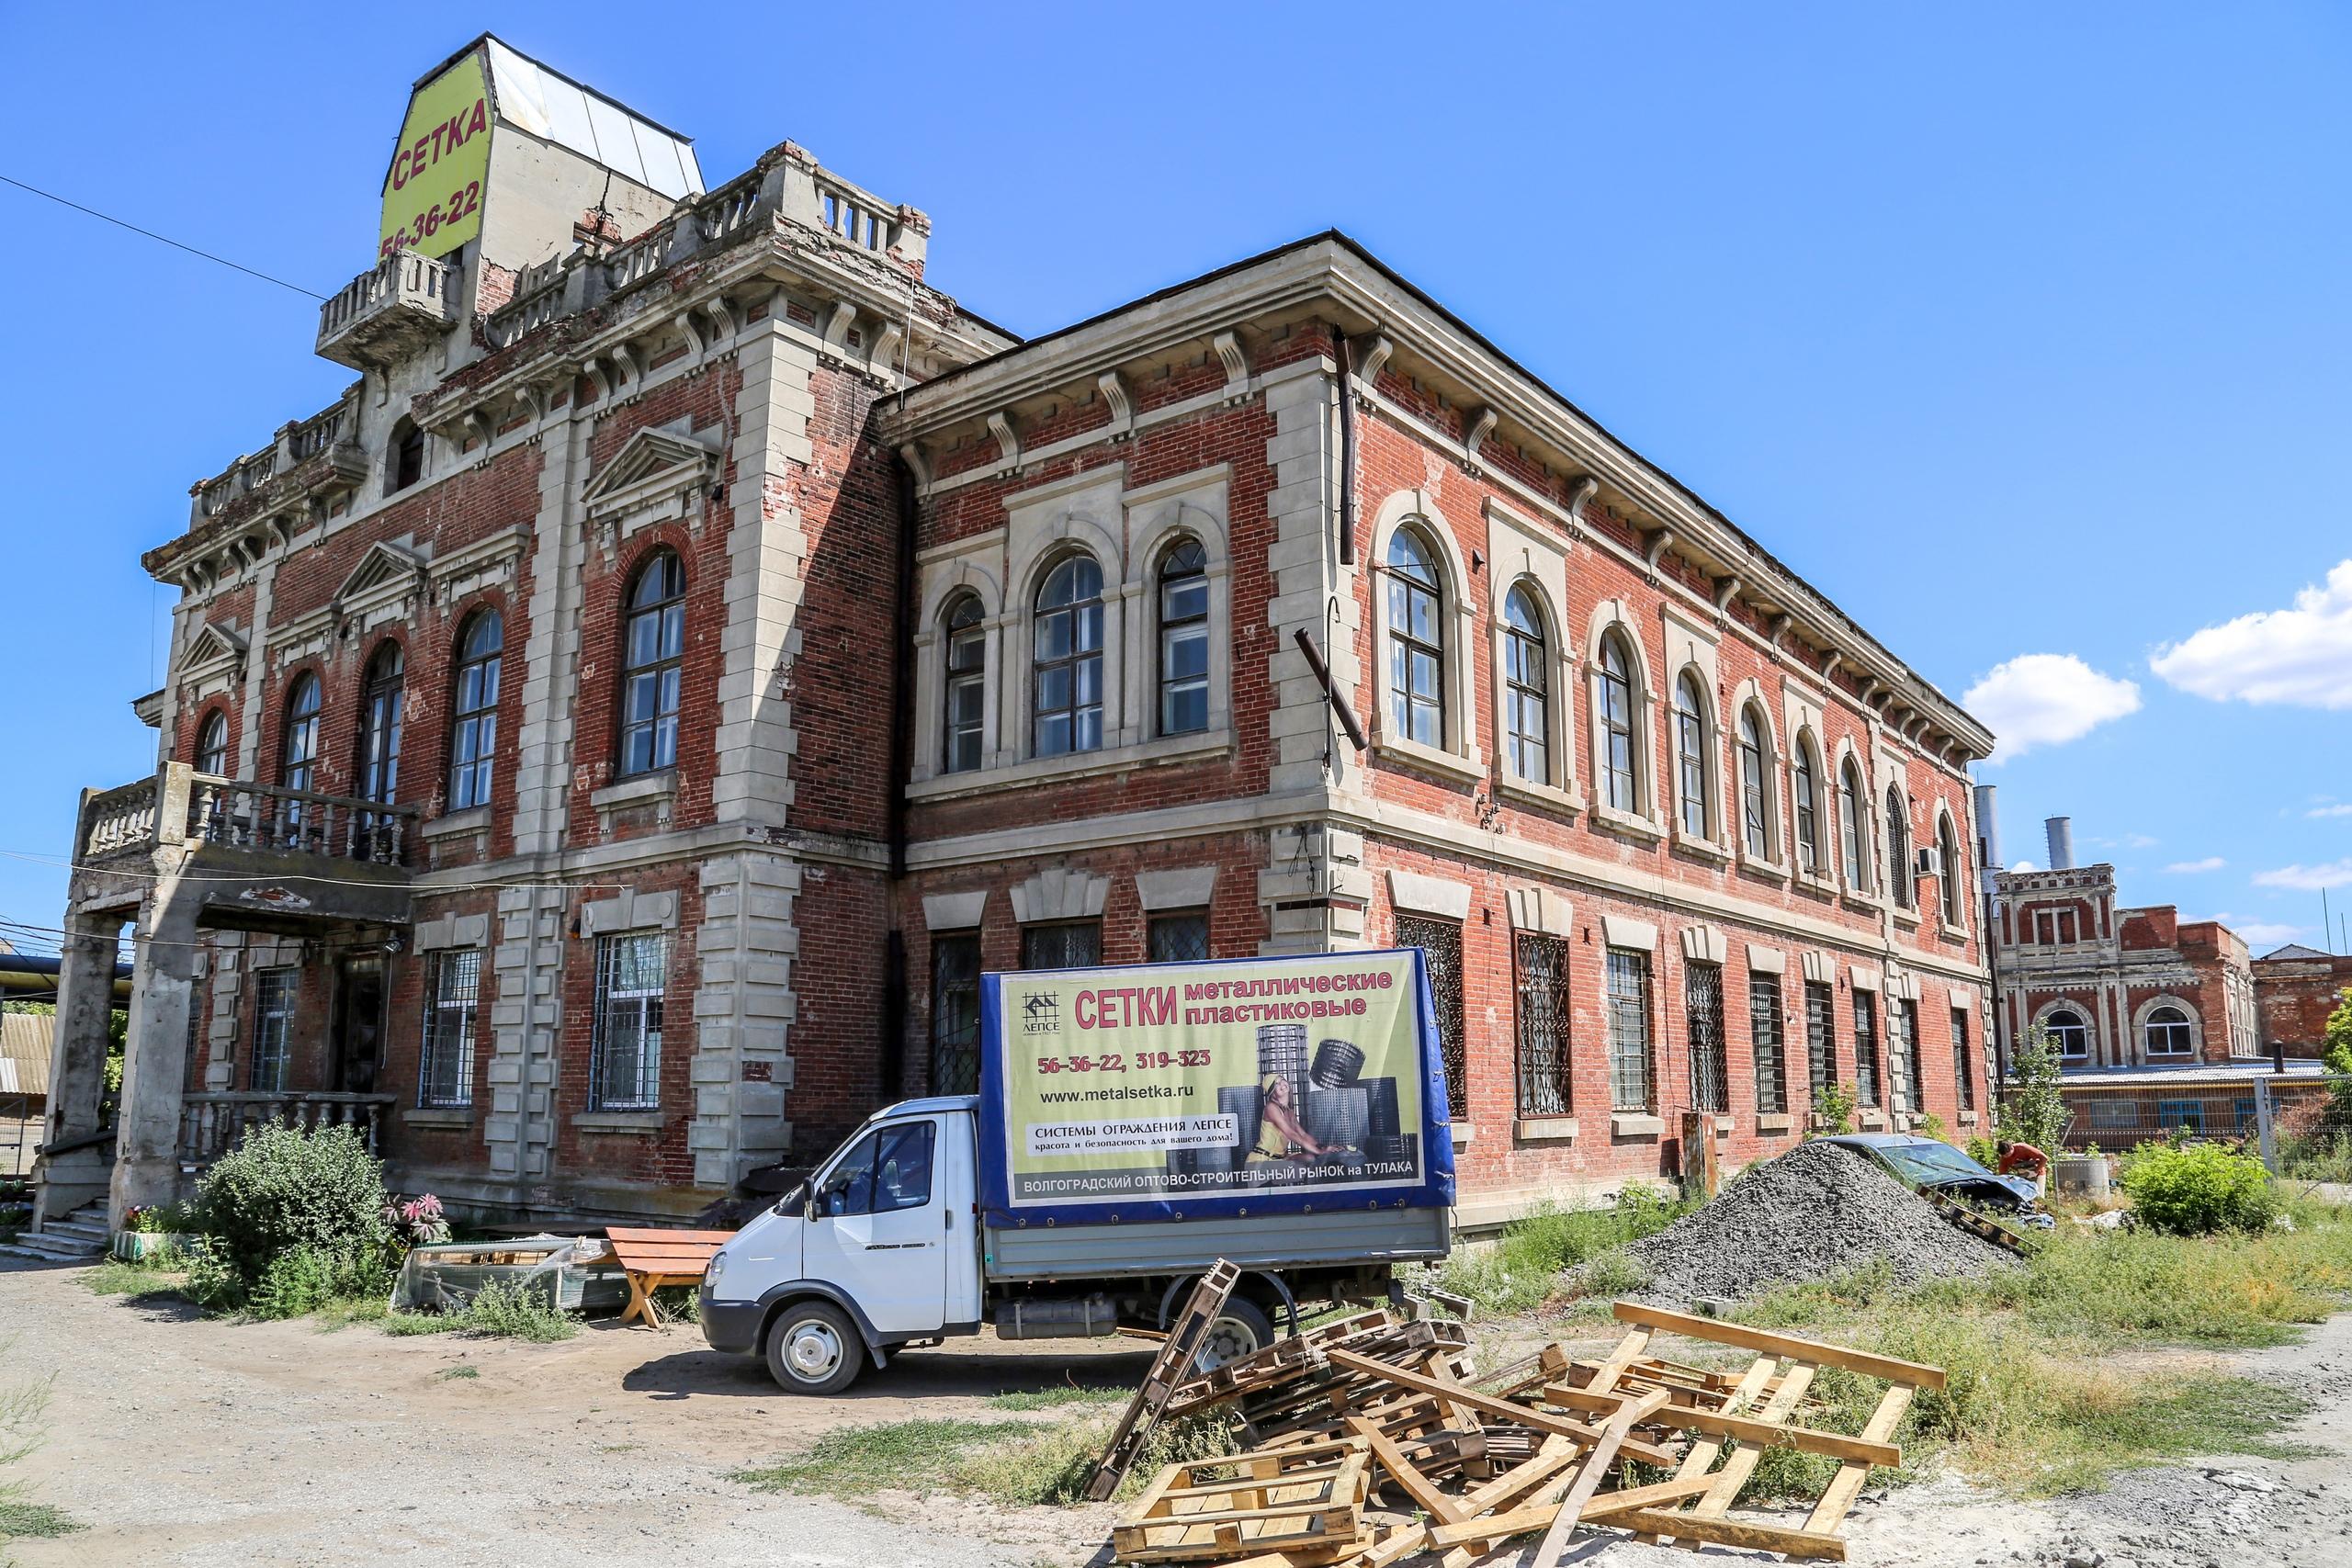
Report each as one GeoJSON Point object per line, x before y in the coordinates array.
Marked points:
{"type": "Point", "coordinates": [1611, 617]}
{"type": "Point", "coordinates": [450, 1023]}
{"type": "Point", "coordinates": [1456, 755]}
{"type": "Point", "coordinates": [644, 1003]}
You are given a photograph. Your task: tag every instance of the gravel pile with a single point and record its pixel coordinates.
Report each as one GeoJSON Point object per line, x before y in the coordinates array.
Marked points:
{"type": "Point", "coordinates": [1817, 1212]}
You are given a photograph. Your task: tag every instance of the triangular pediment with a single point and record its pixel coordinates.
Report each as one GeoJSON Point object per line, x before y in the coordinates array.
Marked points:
{"type": "Point", "coordinates": [650, 465]}
{"type": "Point", "coordinates": [384, 569]}
{"type": "Point", "coordinates": [213, 646]}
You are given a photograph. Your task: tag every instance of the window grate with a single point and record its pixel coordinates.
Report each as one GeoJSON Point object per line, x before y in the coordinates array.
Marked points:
{"type": "Point", "coordinates": [1075, 945]}
{"type": "Point", "coordinates": [1821, 1034]}
{"type": "Point", "coordinates": [1441, 945]}
{"type": "Point", "coordinates": [1866, 1075]}
{"type": "Point", "coordinates": [1542, 1004]}
{"type": "Point", "coordinates": [453, 991]}
{"type": "Point", "coordinates": [956, 1012]}
{"type": "Point", "coordinates": [1903, 1054]}
{"type": "Point", "coordinates": [1963, 1072]}
{"type": "Point", "coordinates": [625, 1068]}
{"type": "Point", "coordinates": [1764, 1028]}
{"type": "Point", "coordinates": [1178, 939]}
{"type": "Point", "coordinates": [1703, 1009]}
{"type": "Point", "coordinates": [274, 991]}
{"type": "Point", "coordinates": [1629, 1030]}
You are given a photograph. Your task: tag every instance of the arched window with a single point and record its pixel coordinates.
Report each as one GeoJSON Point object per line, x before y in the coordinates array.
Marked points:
{"type": "Point", "coordinates": [1948, 857]}
{"type": "Point", "coordinates": [2068, 1032]}
{"type": "Point", "coordinates": [1690, 755]}
{"type": "Point", "coordinates": [2169, 1033]}
{"type": "Point", "coordinates": [966, 695]}
{"type": "Point", "coordinates": [1069, 659]}
{"type": "Point", "coordinates": [473, 710]}
{"type": "Point", "coordinates": [1808, 792]}
{"type": "Point", "coordinates": [1900, 873]}
{"type": "Point", "coordinates": [1416, 640]}
{"type": "Point", "coordinates": [298, 766]}
{"type": "Point", "coordinates": [1184, 639]}
{"type": "Point", "coordinates": [1755, 810]}
{"type": "Point", "coordinates": [653, 646]}
{"type": "Point", "coordinates": [404, 458]}
{"type": "Point", "coordinates": [1527, 703]}
{"type": "Point", "coordinates": [1853, 830]}
{"type": "Point", "coordinates": [1616, 708]}
{"type": "Point", "coordinates": [379, 726]}
{"type": "Point", "coordinates": [213, 745]}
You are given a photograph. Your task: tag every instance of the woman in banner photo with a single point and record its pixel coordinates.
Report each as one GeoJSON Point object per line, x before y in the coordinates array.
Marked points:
{"type": "Point", "coordinates": [1296, 1142]}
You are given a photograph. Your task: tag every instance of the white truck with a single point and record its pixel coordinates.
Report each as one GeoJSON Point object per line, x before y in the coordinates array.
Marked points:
{"type": "Point", "coordinates": [1296, 1126]}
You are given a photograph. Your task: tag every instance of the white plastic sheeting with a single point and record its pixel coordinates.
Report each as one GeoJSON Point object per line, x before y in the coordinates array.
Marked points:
{"type": "Point", "coordinates": [552, 106]}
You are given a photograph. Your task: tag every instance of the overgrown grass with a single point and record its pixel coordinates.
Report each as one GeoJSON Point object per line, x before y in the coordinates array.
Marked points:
{"type": "Point", "coordinates": [1519, 1270]}
{"type": "Point", "coordinates": [500, 1310]}
{"type": "Point", "coordinates": [2028, 1406]}
{"type": "Point", "coordinates": [116, 1278]}
{"type": "Point", "coordinates": [20, 1520]}
{"type": "Point", "coordinates": [1012, 1462]}
{"type": "Point", "coordinates": [1059, 1396]}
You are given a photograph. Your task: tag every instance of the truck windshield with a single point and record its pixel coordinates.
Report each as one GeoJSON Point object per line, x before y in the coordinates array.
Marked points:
{"type": "Point", "coordinates": [886, 1171]}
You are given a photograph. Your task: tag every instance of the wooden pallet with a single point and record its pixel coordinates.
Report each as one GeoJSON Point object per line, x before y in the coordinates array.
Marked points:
{"type": "Point", "coordinates": [1306, 1497]}
{"type": "Point", "coordinates": [1968, 1220]}
{"type": "Point", "coordinates": [1168, 1370]}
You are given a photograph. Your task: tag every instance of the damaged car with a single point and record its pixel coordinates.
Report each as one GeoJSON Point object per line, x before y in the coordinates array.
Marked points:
{"type": "Point", "coordinates": [1932, 1165]}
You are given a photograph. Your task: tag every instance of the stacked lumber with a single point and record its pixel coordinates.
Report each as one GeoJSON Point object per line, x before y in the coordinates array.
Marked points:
{"type": "Point", "coordinates": [1373, 1442]}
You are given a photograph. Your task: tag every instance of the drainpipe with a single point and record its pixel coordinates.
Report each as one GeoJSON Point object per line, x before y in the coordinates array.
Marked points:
{"type": "Point", "coordinates": [1347, 446]}
{"type": "Point", "coordinates": [894, 957]}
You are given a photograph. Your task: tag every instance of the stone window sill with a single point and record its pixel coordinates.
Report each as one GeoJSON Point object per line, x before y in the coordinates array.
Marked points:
{"type": "Point", "coordinates": [457, 824]}
{"type": "Point", "coordinates": [628, 1123]}
{"type": "Point", "coordinates": [1819, 882]}
{"type": "Point", "coordinates": [1462, 1133]}
{"type": "Point", "coordinates": [1774, 1121]}
{"type": "Point", "coordinates": [1968, 1119]}
{"type": "Point", "coordinates": [1430, 758]}
{"type": "Point", "coordinates": [438, 1116]}
{"type": "Point", "coordinates": [1869, 903]}
{"type": "Point", "coordinates": [1569, 801]}
{"type": "Point", "coordinates": [1759, 865]}
{"type": "Point", "coordinates": [1073, 765]}
{"type": "Point", "coordinates": [1705, 849]}
{"type": "Point", "coordinates": [1544, 1129]}
{"type": "Point", "coordinates": [1632, 1124]}
{"type": "Point", "coordinates": [1611, 819]}
{"type": "Point", "coordinates": [659, 786]}
{"type": "Point", "coordinates": [1867, 1117]}
{"type": "Point", "coordinates": [1908, 919]}
{"type": "Point", "coordinates": [1951, 932]}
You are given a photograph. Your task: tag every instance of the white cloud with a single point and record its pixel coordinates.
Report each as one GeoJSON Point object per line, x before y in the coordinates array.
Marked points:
{"type": "Point", "coordinates": [2025, 865]}
{"type": "Point", "coordinates": [2184, 867]}
{"type": "Point", "coordinates": [2317, 812]}
{"type": "Point", "coordinates": [2301, 656]}
{"type": "Point", "coordinates": [2046, 699]}
{"type": "Point", "coordinates": [2307, 878]}
{"type": "Point", "coordinates": [2262, 934]}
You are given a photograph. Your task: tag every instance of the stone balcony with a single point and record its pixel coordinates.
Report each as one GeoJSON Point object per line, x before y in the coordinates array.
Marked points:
{"type": "Point", "coordinates": [254, 856]}
{"type": "Point", "coordinates": [396, 308]}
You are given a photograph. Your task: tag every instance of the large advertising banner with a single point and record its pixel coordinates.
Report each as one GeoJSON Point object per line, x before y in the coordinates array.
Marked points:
{"type": "Point", "coordinates": [433, 191]}
{"type": "Point", "coordinates": [1247, 1085]}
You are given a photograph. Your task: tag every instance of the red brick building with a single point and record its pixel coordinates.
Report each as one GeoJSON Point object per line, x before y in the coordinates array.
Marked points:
{"type": "Point", "coordinates": [602, 750]}
{"type": "Point", "coordinates": [2295, 990]}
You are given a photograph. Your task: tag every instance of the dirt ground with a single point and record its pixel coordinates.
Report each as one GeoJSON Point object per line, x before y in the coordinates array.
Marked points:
{"type": "Point", "coordinates": [187, 1441]}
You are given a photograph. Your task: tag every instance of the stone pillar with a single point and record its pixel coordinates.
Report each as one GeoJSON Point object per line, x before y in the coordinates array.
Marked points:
{"type": "Point", "coordinates": [78, 1067]}
{"type": "Point", "coordinates": [163, 992]}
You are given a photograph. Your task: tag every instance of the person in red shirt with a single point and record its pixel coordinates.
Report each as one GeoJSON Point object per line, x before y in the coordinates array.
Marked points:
{"type": "Point", "coordinates": [2022, 1157]}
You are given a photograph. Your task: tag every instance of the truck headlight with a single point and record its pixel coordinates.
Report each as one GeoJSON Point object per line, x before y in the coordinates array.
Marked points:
{"type": "Point", "coordinates": [717, 1267]}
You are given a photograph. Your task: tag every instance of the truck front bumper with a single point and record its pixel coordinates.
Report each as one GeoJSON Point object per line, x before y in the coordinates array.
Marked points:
{"type": "Point", "coordinates": [732, 1327]}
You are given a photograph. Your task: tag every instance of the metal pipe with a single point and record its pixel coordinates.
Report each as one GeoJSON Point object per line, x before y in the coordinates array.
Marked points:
{"type": "Point", "coordinates": [1322, 674]}
{"type": "Point", "coordinates": [1347, 450]}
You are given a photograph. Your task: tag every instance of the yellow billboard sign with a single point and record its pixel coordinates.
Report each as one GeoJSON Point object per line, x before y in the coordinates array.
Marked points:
{"type": "Point", "coordinates": [433, 192]}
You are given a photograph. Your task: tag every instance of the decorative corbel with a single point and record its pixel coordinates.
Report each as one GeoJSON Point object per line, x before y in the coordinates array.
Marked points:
{"type": "Point", "coordinates": [1114, 395]}
{"type": "Point", "coordinates": [1781, 625]}
{"type": "Point", "coordinates": [477, 426]}
{"type": "Point", "coordinates": [838, 324]}
{"type": "Point", "coordinates": [911, 453]}
{"type": "Point", "coordinates": [1477, 425]}
{"type": "Point", "coordinates": [625, 363]}
{"type": "Point", "coordinates": [696, 342]}
{"type": "Point", "coordinates": [1656, 551]}
{"type": "Point", "coordinates": [602, 383]}
{"type": "Point", "coordinates": [1374, 356]}
{"type": "Point", "coordinates": [1830, 663]}
{"type": "Point", "coordinates": [1579, 497]}
{"type": "Point", "coordinates": [1237, 365]}
{"type": "Point", "coordinates": [723, 317]}
{"type": "Point", "coordinates": [1008, 445]}
{"type": "Point", "coordinates": [1726, 590]}
{"type": "Point", "coordinates": [885, 344]}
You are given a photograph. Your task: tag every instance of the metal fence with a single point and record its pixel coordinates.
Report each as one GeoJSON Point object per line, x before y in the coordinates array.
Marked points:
{"type": "Point", "coordinates": [21, 1117]}
{"type": "Point", "coordinates": [2299, 1123]}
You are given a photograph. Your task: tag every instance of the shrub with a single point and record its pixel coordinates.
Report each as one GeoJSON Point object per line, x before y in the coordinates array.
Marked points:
{"type": "Point", "coordinates": [299, 1282]}
{"type": "Point", "coordinates": [282, 1189]}
{"type": "Point", "coordinates": [2032, 1111]}
{"type": "Point", "coordinates": [2196, 1189]}
{"type": "Point", "coordinates": [1836, 1105]}
{"type": "Point", "coordinates": [1984, 1152]}
{"type": "Point", "coordinates": [1931, 1126]}
{"type": "Point", "coordinates": [505, 1309]}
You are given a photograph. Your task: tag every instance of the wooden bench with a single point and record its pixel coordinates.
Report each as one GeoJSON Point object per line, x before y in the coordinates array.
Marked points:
{"type": "Point", "coordinates": [651, 1259]}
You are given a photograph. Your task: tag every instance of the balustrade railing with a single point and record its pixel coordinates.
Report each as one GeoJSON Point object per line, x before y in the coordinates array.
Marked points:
{"type": "Point", "coordinates": [267, 817]}
{"type": "Point", "coordinates": [316, 434]}
{"type": "Point", "coordinates": [403, 278]}
{"type": "Point", "coordinates": [211, 1123]}
{"type": "Point", "coordinates": [121, 820]}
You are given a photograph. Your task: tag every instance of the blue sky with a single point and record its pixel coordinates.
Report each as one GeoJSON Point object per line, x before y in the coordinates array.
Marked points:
{"type": "Point", "coordinates": [2018, 329]}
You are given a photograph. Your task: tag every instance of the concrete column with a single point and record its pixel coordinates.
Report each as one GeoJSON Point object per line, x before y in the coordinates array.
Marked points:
{"type": "Point", "coordinates": [162, 990]}
{"type": "Point", "coordinates": [78, 1067]}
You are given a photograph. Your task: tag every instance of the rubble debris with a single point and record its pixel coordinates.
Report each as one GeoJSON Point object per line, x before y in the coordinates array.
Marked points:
{"type": "Point", "coordinates": [1816, 1212]}
{"type": "Point", "coordinates": [1373, 1442]}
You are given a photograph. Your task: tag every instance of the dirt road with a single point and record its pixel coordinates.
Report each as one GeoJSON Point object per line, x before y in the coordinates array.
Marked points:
{"type": "Point", "coordinates": [185, 1441]}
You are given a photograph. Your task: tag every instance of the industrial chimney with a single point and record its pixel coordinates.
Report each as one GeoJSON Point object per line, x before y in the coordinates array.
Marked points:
{"type": "Point", "coordinates": [1989, 832]}
{"type": "Point", "coordinates": [2062, 842]}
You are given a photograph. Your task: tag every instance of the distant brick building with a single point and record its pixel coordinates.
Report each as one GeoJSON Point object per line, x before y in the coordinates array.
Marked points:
{"type": "Point", "coordinates": [603, 749]}
{"type": "Point", "coordinates": [2295, 989]}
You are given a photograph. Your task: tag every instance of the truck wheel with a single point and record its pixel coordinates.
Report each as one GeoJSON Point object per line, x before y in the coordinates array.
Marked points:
{"type": "Point", "coordinates": [813, 1347]}
{"type": "Point", "coordinates": [1240, 1329]}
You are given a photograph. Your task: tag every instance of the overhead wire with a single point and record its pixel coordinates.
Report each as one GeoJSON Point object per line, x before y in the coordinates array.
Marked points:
{"type": "Point", "coordinates": [163, 239]}
{"type": "Point", "coordinates": [300, 877]}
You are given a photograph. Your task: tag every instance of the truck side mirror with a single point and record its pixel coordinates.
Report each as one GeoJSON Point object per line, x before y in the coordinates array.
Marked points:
{"type": "Point", "coordinates": [794, 1205]}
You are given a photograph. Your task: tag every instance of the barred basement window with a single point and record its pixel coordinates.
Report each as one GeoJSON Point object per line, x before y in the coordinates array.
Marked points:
{"type": "Point", "coordinates": [1441, 945]}
{"type": "Point", "coordinates": [1542, 970]}
{"type": "Point", "coordinates": [1765, 1035]}
{"type": "Point", "coordinates": [1866, 1048]}
{"type": "Point", "coordinates": [452, 995]}
{"type": "Point", "coordinates": [1178, 939]}
{"type": "Point", "coordinates": [1077, 945]}
{"type": "Point", "coordinates": [1702, 1010]}
{"type": "Point", "coordinates": [625, 1063]}
{"type": "Point", "coordinates": [956, 1012]}
{"type": "Point", "coordinates": [1629, 1030]}
{"type": "Point", "coordinates": [1963, 1071]}
{"type": "Point", "coordinates": [1902, 1054]}
{"type": "Point", "coordinates": [272, 1019]}
{"type": "Point", "coordinates": [1821, 1034]}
